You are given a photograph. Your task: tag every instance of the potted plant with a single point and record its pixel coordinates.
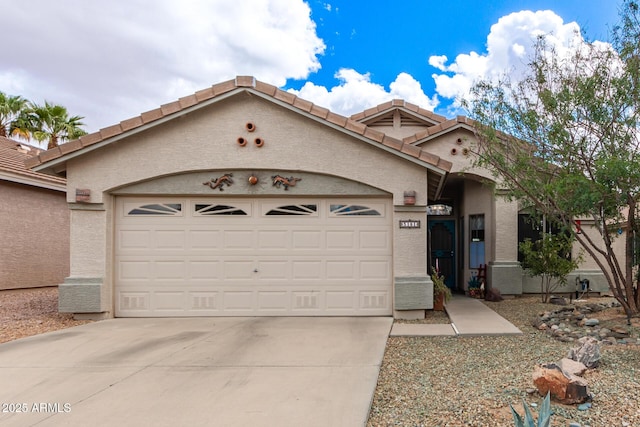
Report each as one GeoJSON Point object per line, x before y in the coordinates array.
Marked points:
{"type": "Point", "coordinates": [441, 292]}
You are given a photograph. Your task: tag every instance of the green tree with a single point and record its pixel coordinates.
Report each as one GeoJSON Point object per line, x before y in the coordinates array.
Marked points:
{"type": "Point", "coordinates": [11, 107]}
{"type": "Point", "coordinates": [565, 138]}
{"type": "Point", "coordinates": [549, 259]}
{"type": "Point", "coordinates": [52, 123]}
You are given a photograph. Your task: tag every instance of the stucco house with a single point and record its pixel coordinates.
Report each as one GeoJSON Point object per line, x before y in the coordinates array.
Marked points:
{"type": "Point", "coordinates": [245, 200]}
{"type": "Point", "coordinates": [34, 222]}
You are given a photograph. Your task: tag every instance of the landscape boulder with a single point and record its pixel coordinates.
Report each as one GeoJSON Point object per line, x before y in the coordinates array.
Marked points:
{"type": "Point", "coordinates": [563, 387]}
{"type": "Point", "coordinates": [587, 353]}
{"type": "Point", "coordinates": [493, 294]}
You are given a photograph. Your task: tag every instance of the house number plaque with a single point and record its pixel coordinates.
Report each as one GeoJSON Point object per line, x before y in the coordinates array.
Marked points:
{"type": "Point", "coordinates": [409, 223]}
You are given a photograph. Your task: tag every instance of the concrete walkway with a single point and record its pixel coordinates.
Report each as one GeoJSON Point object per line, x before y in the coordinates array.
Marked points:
{"type": "Point", "coordinates": [469, 318]}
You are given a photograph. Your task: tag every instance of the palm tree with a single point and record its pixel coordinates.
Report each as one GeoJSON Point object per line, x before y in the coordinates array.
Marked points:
{"type": "Point", "coordinates": [50, 122]}
{"type": "Point", "coordinates": [11, 108]}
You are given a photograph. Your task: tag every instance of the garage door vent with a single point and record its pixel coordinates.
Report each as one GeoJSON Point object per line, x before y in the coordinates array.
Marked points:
{"type": "Point", "coordinates": [204, 302]}
{"type": "Point", "coordinates": [134, 302]}
{"type": "Point", "coordinates": [374, 301]}
{"type": "Point", "coordinates": [307, 301]}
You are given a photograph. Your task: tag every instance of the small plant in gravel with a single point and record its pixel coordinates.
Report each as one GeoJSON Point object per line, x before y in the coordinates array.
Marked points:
{"type": "Point", "coordinates": [544, 415]}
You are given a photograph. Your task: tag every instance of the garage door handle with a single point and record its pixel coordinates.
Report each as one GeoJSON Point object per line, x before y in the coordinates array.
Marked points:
{"type": "Point", "coordinates": [255, 270]}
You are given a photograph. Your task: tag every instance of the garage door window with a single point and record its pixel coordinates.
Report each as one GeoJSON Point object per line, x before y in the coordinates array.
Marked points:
{"type": "Point", "coordinates": [294, 210]}
{"type": "Point", "coordinates": [158, 209]}
{"type": "Point", "coordinates": [208, 210]}
{"type": "Point", "coordinates": [353, 210]}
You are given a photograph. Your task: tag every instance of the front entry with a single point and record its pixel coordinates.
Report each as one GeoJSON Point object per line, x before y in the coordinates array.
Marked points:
{"type": "Point", "coordinates": [442, 234]}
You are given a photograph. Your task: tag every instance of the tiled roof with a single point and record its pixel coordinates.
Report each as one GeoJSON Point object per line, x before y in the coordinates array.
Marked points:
{"type": "Point", "coordinates": [397, 103]}
{"type": "Point", "coordinates": [13, 155]}
{"type": "Point", "coordinates": [460, 121]}
{"type": "Point", "coordinates": [246, 83]}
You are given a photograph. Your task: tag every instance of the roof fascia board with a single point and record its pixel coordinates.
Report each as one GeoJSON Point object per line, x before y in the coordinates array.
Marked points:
{"type": "Point", "coordinates": [32, 182]}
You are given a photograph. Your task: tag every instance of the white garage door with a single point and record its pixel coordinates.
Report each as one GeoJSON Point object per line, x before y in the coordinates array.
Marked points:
{"type": "Point", "coordinates": [261, 257]}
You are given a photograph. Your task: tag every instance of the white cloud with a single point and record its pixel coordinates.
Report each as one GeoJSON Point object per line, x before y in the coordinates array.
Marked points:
{"type": "Point", "coordinates": [109, 61]}
{"type": "Point", "coordinates": [356, 92]}
{"type": "Point", "coordinates": [509, 46]}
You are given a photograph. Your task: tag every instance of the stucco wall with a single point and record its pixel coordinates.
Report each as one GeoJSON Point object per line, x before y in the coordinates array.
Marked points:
{"type": "Point", "coordinates": [34, 231]}
{"type": "Point", "coordinates": [206, 140]}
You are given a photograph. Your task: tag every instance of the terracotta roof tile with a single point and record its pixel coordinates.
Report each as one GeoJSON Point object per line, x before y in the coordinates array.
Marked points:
{"type": "Point", "coordinates": [188, 101]}
{"type": "Point", "coordinates": [204, 94]}
{"type": "Point", "coordinates": [356, 127]}
{"type": "Point", "coordinates": [224, 87]}
{"type": "Point", "coordinates": [245, 81]}
{"type": "Point", "coordinates": [392, 142]}
{"type": "Point", "coordinates": [374, 134]}
{"type": "Point", "coordinates": [170, 108]}
{"type": "Point", "coordinates": [151, 115]}
{"type": "Point", "coordinates": [131, 123]}
{"type": "Point", "coordinates": [266, 88]}
{"type": "Point", "coordinates": [14, 157]}
{"type": "Point", "coordinates": [337, 119]}
{"type": "Point", "coordinates": [110, 131]}
{"type": "Point", "coordinates": [412, 150]}
{"type": "Point", "coordinates": [249, 83]}
{"type": "Point", "coordinates": [302, 104]}
{"type": "Point", "coordinates": [321, 112]}
{"type": "Point", "coordinates": [284, 96]}
{"type": "Point", "coordinates": [70, 146]}
{"type": "Point", "coordinates": [398, 103]}
{"type": "Point", "coordinates": [90, 139]}
{"type": "Point", "coordinates": [54, 153]}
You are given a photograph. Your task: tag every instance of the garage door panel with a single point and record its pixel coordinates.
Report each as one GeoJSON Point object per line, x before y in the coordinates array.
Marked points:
{"type": "Point", "coordinates": [203, 240]}
{"type": "Point", "coordinates": [274, 239]}
{"type": "Point", "coordinates": [306, 240]}
{"type": "Point", "coordinates": [196, 257]}
{"type": "Point", "coordinates": [205, 270]}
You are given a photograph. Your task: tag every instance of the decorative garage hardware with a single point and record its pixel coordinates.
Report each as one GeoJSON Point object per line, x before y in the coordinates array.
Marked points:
{"type": "Point", "coordinates": [410, 197]}
{"type": "Point", "coordinates": [250, 126]}
{"type": "Point", "coordinates": [281, 181]}
{"type": "Point", "coordinates": [83, 195]}
{"type": "Point", "coordinates": [220, 182]}
{"type": "Point", "coordinates": [259, 142]}
{"type": "Point", "coordinates": [253, 180]}
{"type": "Point", "coordinates": [242, 142]}
{"type": "Point", "coordinates": [409, 223]}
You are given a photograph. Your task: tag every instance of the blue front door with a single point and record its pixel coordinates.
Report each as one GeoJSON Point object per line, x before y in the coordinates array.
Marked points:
{"type": "Point", "coordinates": [442, 233]}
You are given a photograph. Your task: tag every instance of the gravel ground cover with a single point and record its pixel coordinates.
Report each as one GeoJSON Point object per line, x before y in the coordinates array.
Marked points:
{"type": "Point", "coordinates": [27, 312]}
{"type": "Point", "coordinates": [441, 381]}
{"type": "Point", "coordinates": [447, 381]}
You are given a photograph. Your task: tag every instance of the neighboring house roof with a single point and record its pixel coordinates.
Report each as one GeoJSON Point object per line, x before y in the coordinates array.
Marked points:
{"type": "Point", "coordinates": [53, 161]}
{"type": "Point", "coordinates": [13, 155]}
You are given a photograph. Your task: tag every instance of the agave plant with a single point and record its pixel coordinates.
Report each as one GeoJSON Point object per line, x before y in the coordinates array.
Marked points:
{"type": "Point", "coordinates": [544, 415]}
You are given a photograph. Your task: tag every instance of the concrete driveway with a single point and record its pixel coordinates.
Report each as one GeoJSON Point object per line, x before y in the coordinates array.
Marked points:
{"type": "Point", "coordinates": [195, 372]}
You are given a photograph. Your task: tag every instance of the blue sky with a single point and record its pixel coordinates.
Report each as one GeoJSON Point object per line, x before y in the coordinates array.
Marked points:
{"type": "Point", "coordinates": [108, 61]}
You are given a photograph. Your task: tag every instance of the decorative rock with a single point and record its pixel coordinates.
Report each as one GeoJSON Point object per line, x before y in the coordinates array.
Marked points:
{"type": "Point", "coordinates": [570, 366]}
{"type": "Point", "coordinates": [574, 424]}
{"type": "Point", "coordinates": [564, 388]}
{"type": "Point", "coordinates": [493, 294]}
{"type": "Point", "coordinates": [619, 332]}
{"type": "Point", "coordinates": [584, 406]}
{"type": "Point", "coordinates": [558, 301]}
{"type": "Point", "coordinates": [588, 353]}
{"type": "Point", "coordinates": [591, 322]}
{"type": "Point", "coordinates": [609, 341]}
